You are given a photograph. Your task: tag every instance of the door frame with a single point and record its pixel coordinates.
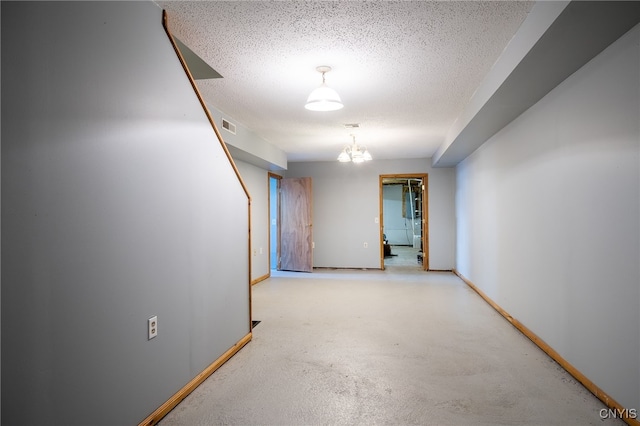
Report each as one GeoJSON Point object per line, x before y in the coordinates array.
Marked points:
{"type": "Point", "coordinates": [425, 214]}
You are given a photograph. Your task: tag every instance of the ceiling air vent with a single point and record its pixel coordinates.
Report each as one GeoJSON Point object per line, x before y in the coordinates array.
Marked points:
{"type": "Point", "coordinates": [228, 126]}
{"type": "Point", "coordinates": [352, 125]}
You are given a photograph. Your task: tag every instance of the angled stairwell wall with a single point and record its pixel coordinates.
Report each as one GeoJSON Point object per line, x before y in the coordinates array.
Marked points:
{"type": "Point", "coordinates": [119, 202]}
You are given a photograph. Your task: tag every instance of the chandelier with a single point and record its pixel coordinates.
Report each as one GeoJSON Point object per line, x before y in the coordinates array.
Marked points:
{"type": "Point", "coordinates": [354, 153]}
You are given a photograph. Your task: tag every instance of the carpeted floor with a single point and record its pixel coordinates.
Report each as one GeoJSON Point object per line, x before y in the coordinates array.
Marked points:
{"type": "Point", "coordinates": [393, 347]}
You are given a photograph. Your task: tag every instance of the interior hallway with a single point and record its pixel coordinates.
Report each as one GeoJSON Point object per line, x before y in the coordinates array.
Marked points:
{"type": "Point", "coordinates": [398, 346]}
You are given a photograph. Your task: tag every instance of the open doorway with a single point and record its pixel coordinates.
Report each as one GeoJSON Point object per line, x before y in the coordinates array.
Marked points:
{"type": "Point", "coordinates": [274, 221]}
{"type": "Point", "coordinates": [403, 221]}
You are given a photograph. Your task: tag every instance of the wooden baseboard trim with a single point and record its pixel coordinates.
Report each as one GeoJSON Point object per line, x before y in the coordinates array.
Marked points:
{"type": "Point", "coordinates": [259, 279]}
{"type": "Point", "coordinates": [599, 393]}
{"type": "Point", "coordinates": [165, 408]}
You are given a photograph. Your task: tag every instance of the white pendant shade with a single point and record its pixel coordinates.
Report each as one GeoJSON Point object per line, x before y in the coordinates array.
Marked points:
{"type": "Point", "coordinates": [344, 157]}
{"type": "Point", "coordinates": [323, 98]}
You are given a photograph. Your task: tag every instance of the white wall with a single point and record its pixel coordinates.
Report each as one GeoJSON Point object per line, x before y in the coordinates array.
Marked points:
{"type": "Point", "coordinates": [548, 219]}
{"type": "Point", "coordinates": [346, 202]}
{"type": "Point", "coordinates": [398, 229]}
{"type": "Point", "coordinates": [111, 212]}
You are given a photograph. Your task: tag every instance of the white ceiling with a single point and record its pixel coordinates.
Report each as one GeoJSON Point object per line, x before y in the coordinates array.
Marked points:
{"type": "Point", "coordinates": [404, 70]}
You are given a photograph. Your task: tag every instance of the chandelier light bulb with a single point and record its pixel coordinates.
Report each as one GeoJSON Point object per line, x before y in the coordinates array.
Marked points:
{"type": "Point", "coordinates": [354, 153]}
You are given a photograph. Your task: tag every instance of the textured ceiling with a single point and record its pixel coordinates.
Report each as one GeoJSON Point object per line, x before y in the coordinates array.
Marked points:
{"type": "Point", "coordinates": [404, 70]}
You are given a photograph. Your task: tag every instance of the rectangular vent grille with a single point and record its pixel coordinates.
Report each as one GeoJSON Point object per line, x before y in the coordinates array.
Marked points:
{"type": "Point", "coordinates": [230, 127]}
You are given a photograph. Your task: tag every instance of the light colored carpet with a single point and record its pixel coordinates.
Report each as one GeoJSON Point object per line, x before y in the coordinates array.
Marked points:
{"type": "Point", "coordinates": [393, 347]}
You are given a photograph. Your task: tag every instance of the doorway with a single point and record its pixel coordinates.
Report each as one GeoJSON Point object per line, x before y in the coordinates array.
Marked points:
{"type": "Point", "coordinates": [290, 224]}
{"type": "Point", "coordinates": [404, 228]}
{"type": "Point", "coordinates": [274, 221]}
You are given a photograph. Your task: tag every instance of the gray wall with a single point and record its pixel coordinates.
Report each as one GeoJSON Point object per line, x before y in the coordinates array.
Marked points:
{"type": "Point", "coordinates": [247, 146]}
{"type": "Point", "coordinates": [548, 219]}
{"type": "Point", "coordinates": [254, 157]}
{"type": "Point", "coordinates": [111, 212]}
{"type": "Point", "coordinates": [256, 180]}
{"type": "Point", "coordinates": [346, 202]}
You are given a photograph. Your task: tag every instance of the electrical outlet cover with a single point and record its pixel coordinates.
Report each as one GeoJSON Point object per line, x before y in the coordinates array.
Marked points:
{"type": "Point", "coordinates": [152, 325]}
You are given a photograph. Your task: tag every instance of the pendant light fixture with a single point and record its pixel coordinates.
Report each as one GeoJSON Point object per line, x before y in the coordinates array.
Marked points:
{"type": "Point", "coordinates": [323, 98]}
{"type": "Point", "coordinates": [354, 153]}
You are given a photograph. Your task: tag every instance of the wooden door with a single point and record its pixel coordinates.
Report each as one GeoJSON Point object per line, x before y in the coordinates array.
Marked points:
{"type": "Point", "coordinates": [296, 229]}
